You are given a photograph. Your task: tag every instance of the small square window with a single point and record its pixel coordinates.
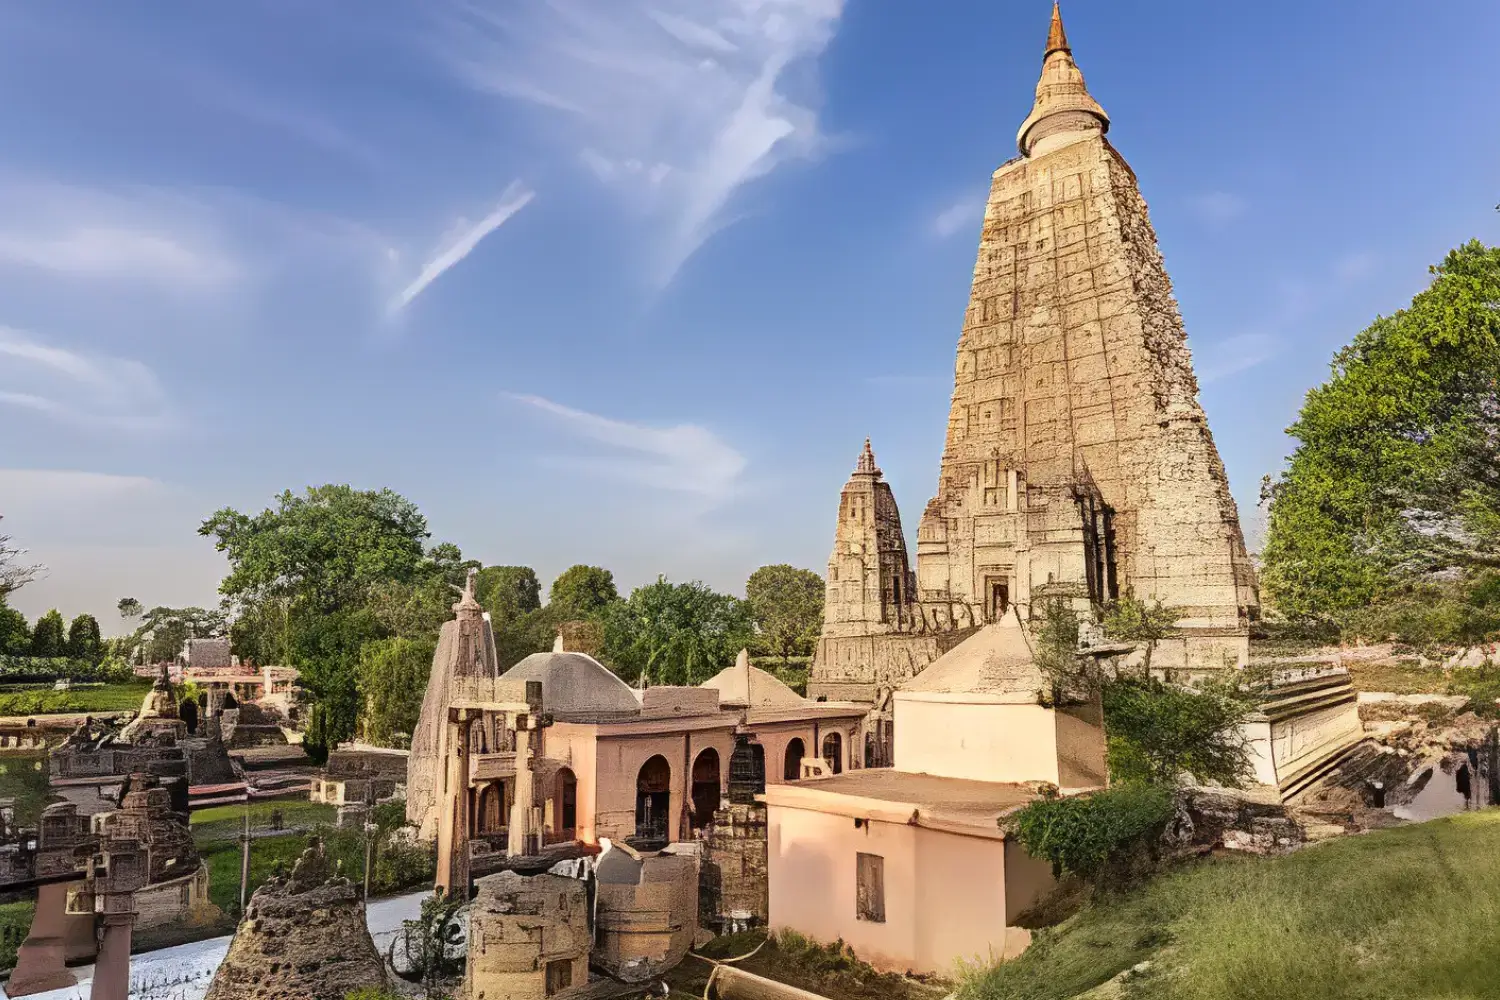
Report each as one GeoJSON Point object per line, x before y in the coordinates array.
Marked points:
{"type": "Point", "coordinates": [869, 897]}
{"type": "Point", "coordinates": [559, 976]}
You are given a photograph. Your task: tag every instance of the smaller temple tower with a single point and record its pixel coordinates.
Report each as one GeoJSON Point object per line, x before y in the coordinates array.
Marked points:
{"type": "Point", "coordinates": [870, 581]}
{"type": "Point", "coordinates": [873, 635]}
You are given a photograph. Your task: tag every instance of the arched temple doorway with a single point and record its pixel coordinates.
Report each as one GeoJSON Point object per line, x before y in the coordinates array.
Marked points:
{"type": "Point", "coordinates": [833, 752]}
{"type": "Point", "coordinates": [706, 788]}
{"type": "Point", "coordinates": [489, 809]}
{"type": "Point", "coordinates": [653, 799]}
{"type": "Point", "coordinates": [795, 751]}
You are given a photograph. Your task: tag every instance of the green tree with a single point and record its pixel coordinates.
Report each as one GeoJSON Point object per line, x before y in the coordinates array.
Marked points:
{"type": "Point", "coordinates": [392, 682]}
{"type": "Point", "coordinates": [786, 605]}
{"type": "Point", "coordinates": [325, 548]}
{"type": "Point", "coordinates": [414, 610]}
{"type": "Point", "coordinates": [50, 636]}
{"type": "Point", "coordinates": [15, 632]}
{"type": "Point", "coordinates": [508, 592]}
{"type": "Point", "coordinates": [325, 552]}
{"type": "Point", "coordinates": [129, 608]}
{"type": "Point", "coordinates": [447, 562]}
{"type": "Point", "coordinates": [1094, 835]}
{"type": "Point", "coordinates": [14, 572]}
{"type": "Point", "coordinates": [582, 592]}
{"type": "Point", "coordinates": [1396, 475]}
{"type": "Point", "coordinates": [675, 633]}
{"type": "Point", "coordinates": [1131, 619]}
{"type": "Point", "coordinates": [164, 631]}
{"type": "Point", "coordinates": [1054, 628]}
{"type": "Point", "coordinates": [84, 641]}
{"type": "Point", "coordinates": [1158, 732]}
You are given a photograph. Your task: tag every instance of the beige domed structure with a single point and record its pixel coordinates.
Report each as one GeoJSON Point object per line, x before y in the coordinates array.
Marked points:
{"type": "Point", "coordinates": [576, 687]}
{"type": "Point", "coordinates": [745, 686]}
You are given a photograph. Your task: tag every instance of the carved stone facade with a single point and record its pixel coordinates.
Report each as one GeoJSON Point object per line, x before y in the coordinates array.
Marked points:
{"type": "Point", "coordinates": [1078, 461]}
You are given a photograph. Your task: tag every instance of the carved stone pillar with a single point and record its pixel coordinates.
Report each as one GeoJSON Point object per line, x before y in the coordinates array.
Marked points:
{"type": "Point", "coordinates": [453, 826]}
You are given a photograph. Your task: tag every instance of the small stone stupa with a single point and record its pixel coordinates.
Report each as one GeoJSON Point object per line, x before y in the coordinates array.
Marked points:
{"type": "Point", "coordinates": [302, 938]}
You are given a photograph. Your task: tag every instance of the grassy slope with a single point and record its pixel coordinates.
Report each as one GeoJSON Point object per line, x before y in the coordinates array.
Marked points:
{"type": "Point", "coordinates": [1410, 912]}
{"type": "Point", "coordinates": [45, 701]}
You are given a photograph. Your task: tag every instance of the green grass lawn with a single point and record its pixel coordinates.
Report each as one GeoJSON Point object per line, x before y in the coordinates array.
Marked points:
{"type": "Point", "coordinates": [42, 700]}
{"type": "Point", "coordinates": [1409, 912]}
{"type": "Point", "coordinates": [225, 822]}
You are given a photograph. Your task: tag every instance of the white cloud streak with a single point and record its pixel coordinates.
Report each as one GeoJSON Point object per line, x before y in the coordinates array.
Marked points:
{"type": "Point", "coordinates": [684, 457]}
{"type": "Point", "coordinates": [461, 241]}
{"type": "Point", "coordinates": [679, 104]}
{"type": "Point", "coordinates": [41, 488]}
{"type": "Point", "coordinates": [144, 236]}
{"type": "Point", "coordinates": [79, 387]}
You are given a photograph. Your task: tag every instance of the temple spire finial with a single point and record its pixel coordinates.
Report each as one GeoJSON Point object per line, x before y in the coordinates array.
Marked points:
{"type": "Point", "coordinates": [866, 464]}
{"type": "Point", "coordinates": [1064, 110]}
{"type": "Point", "coordinates": [1057, 37]}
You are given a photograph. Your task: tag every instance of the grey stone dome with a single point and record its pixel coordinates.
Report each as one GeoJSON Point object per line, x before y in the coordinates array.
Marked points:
{"type": "Point", "coordinates": [575, 686]}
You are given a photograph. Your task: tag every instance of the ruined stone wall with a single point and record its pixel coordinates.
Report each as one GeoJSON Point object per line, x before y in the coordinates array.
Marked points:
{"type": "Point", "coordinates": [733, 891]}
{"type": "Point", "coordinates": [528, 937]}
{"type": "Point", "coordinates": [1073, 375]}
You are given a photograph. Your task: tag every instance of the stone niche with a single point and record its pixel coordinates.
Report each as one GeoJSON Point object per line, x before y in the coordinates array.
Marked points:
{"type": "Point", "coordinates": [647, 910]}
{"type": "Point", "coordinates": [528, 937]}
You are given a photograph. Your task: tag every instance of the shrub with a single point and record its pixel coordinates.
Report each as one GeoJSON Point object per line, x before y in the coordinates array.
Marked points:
{"type": "Point", "coordinates": [1088, 834]}
{"type": "Point", "coordinates": [1158, 732]}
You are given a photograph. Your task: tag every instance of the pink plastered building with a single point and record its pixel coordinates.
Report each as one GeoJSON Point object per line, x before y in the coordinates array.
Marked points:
{"type": "Point", "coordinates": [911, 866]}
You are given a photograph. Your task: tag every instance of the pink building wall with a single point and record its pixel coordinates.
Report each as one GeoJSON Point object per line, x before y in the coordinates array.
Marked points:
{"type": "Point", "coordinates": [946, 894]}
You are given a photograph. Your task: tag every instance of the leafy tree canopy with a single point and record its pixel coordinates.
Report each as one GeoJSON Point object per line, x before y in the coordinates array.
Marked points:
{"type": "Point", "coordinates": [326, 548]}
{"type": "Point", "coordinates": [164, 631]}
{"type": "Point", "coordinates": [1131, 619]}
{"type": "Point", "coordinates": [582, 592]}
{"type": "Point", "coordinates": [508, 592]}
{"type": "Point", "coordinates": [129, 608]}
{"type": "Point", "coordinates": [1396, 476]}
{"type": "Point", "coordinates": [392, 682]}
{"type": "Point", "coordinates": [675, 633]}
{"type": "Point", "coordinates": [1158, 732]}
{"type": "Point", "coordinates": [15, 632]}
{"type": "Point", "coordinates": [50, 637]}
{"type": "Point", "coordinates": [84, 641]}
{"type": "Point", "coordinates": [786, 605]}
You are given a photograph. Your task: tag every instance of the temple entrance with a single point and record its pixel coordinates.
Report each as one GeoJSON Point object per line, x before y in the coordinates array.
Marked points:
{"type": "Point", "coordinates": [565, 805]}
{"type": "Point", "coordinates": [489, 809]}
{"type": "Point", "coordinates": [188, 713]}
{"type": "Point", "coordinates": [795, 751]}
{"type": "Point", "coordinates": [653, 799]}
{"type": "Point", "coordinates": [833, 752]}
{"type": "Point", "coordinates": [747, 771]}
{"type": "Point", "coordinates": [999, 599]}
{"type": "Point", "coordinates": [707, 790]}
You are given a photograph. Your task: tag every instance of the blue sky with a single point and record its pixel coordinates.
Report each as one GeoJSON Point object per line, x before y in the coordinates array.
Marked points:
{"type": "Point", "coordinates": [629, 281]}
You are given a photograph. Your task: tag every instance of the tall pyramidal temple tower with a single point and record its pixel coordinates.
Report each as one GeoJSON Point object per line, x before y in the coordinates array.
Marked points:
{"type": "Point", "coordinates": [1078, 462]}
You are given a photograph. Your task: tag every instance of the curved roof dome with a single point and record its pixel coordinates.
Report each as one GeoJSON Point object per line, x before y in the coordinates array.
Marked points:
{"type": "Point", "coordinates": [576, 685]}
{"type": "Point", "coordinates": [751, 687]}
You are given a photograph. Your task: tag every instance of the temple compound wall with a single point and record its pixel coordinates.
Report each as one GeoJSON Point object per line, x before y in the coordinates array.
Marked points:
{"type": "Point", "coordinates": [1078, 463]}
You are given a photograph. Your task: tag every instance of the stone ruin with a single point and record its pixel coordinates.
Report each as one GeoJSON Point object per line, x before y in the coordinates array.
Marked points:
{"type": "Point", "coordinates": [302, 938]}
{"type": "Point", "coordinates": [528, 937]}
{"type": "Point", "coordinates": [1078, 463]}
{"type": "Point", "coordinates": [647, 911]}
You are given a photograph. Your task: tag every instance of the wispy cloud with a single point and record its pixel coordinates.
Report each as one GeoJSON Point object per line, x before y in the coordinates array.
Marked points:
{"type": "Point", "coordinates": [461, 241]}
{"type": "Point", "coordinates": [1219, 208]}
{"type": "Point", "coordinates": [683, 457]}
{"type": "Point", "coordinates": [24, 488]}
{"type": "Point", "coordinates": [677, 103]}
{"type": "Point", "coordinates": [1233, 355]}
{"type": "Point", "coordinates": [79, 387]}
{"type": "Point", "coordinates": [142, 235]}
{"type": "Point", "coordinates": [958, 217]}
